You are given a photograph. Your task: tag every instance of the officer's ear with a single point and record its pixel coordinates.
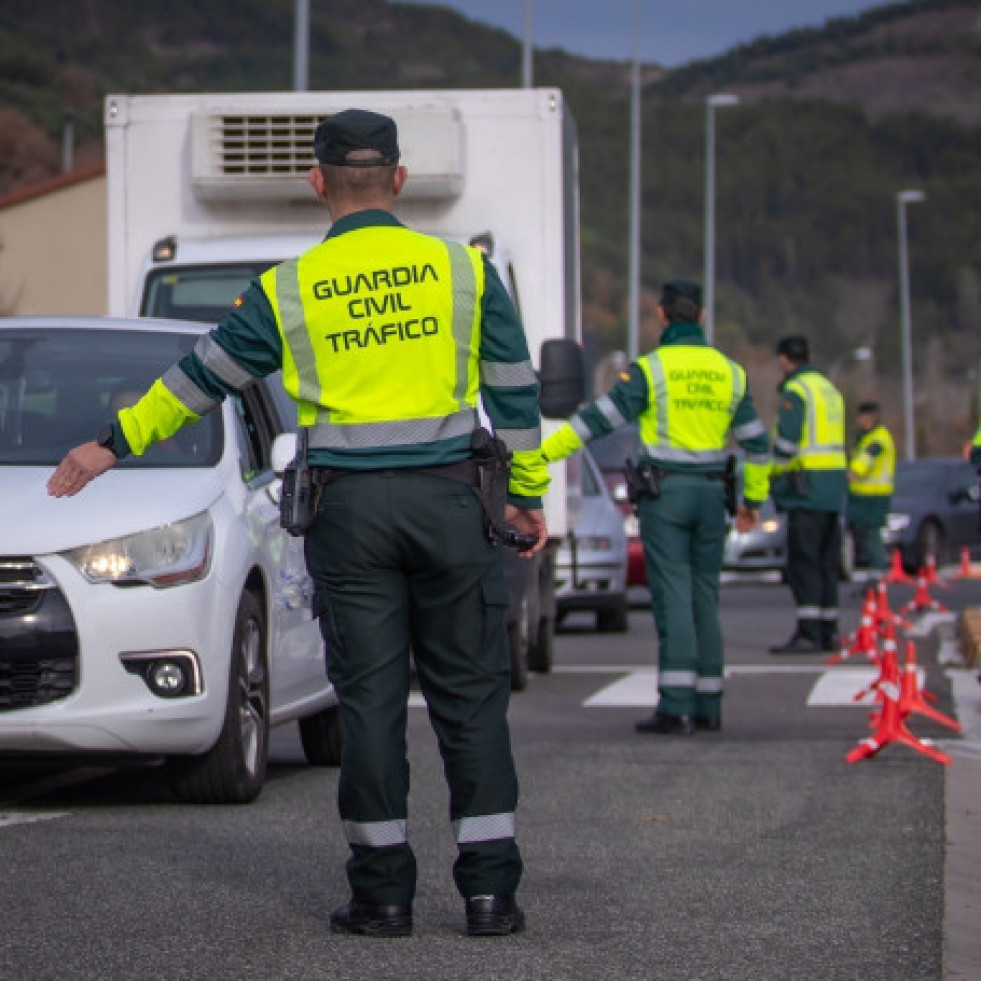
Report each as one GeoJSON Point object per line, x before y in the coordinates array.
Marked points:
{"type": "Point", "coordinates": [398, 180]}
{"type": "Point", "coordinates": [315, 178]}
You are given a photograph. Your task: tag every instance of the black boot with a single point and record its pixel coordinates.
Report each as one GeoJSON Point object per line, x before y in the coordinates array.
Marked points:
{"type": "Point", "coordinates": [662, 724]}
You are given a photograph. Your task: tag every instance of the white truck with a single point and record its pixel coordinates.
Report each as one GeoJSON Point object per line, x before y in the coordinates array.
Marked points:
{"type": "Point", "coordinates": [205, 191]}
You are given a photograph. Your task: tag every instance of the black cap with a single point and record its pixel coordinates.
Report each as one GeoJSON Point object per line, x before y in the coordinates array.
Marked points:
{"type": "Point", "coordinates": [356, 129]}
{"type": "Point", "coordinates": [795, 348]}
{"type": "Point", "coordinates": [868, 407]}
{"type": "Point", "coordinates": [678, 288]}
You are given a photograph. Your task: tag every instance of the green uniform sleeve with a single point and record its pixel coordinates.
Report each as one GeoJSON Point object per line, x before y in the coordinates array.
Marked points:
{"type": "Point", "coordinates": [751, 436]}
{"type": "Point", "coordinates": [790, 428]}
{"type": "Point", "coordinates": [509, 391]}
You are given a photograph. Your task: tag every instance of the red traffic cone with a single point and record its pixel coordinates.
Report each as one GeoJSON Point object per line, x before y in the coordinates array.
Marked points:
{"type": "Point", "coordinates": [883, 614]}
{"type": "Point", "coordinates": [965, 570]}
{"type": "Point", "coordinates": [862, 639]}
{"type": "Point", "coordinates": [911, 695]}
{"type": "Point", "coordinates": [930, 573]}
{"type": "Point", "coordinates": [896, 571]}
{"type": "Point", "coordinates": [922, 600]}
{"type": "Point", "coordinates": [882, 661]}
{"type": "Point", "coordinates": [889, 724]}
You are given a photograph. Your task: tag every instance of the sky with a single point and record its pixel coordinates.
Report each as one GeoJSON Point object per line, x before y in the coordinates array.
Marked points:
{"type": "Point", "coordinates": [672, 32]}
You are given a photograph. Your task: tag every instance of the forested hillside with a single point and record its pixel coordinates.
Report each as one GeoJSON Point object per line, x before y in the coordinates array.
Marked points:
{"type": "Point", "coordinates": [832, 124]}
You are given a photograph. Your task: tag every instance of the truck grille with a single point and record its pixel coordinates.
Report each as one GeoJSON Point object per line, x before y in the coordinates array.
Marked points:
{"type": "Point", "coordinates": [262, 144]}
{"type": "Point", "coordinates": [38, 643]}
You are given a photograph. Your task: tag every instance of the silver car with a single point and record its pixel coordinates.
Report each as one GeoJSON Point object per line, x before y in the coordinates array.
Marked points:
{"type": "Point", "coordinates": [591, 564]}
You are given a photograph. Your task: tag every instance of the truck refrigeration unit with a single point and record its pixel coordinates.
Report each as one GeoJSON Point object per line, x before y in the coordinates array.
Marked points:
{"type": "Point", "coordinates": [206, 191]}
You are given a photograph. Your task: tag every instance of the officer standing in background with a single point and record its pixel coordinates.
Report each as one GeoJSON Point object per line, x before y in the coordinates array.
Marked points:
{"type": "Point", "coordinates": [397, 551]}
{"type": "Point", "coordinates": [689, 398]}
{"type": "Point", "coordinates": [871, 480]}
{"type": "Point", "coordinates": [809, 483]}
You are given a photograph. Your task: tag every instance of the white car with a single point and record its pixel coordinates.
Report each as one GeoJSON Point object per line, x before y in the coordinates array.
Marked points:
{"type": "Point", "coordinates": [162, 610]}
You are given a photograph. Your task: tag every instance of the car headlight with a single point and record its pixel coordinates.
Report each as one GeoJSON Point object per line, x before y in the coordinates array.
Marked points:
{"type": "Point", "coordinates": [770, 525]}
{"type": "Point", "coordinates": [167, 556]}
{"type": "Point", "coordinates": [631, 526]}
{"type": "Point", "coordinates": [897, 522]}
{"type": "Point", "coordinates": [594, 543]}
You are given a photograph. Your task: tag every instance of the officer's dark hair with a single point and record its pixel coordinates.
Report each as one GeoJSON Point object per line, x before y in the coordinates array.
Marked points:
{"type": "Point", "coordinates": [794, 348]}
{"type": "Point", "coordinates": [681, 302]}
{"type": "Point", "coordinates": [359, 183]}
{"type": "Point", "coordinates": [868, 408]}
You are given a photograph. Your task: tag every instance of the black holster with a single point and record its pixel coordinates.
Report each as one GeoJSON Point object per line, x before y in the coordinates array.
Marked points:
{"type": "Point", "coordinates": [493, 460]}
{"type": "Point", "coordinates": [643, 480]}
{"type": "Point", "coordinates": [729, 478]}
{"type": "Point", "coordinates": [300, 492]}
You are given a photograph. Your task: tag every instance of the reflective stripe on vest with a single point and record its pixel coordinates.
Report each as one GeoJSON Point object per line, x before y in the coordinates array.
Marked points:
{"type": "Point", "coordinates": [822, 445]}
{"type": "Point", "coordinates": [362, 314]}
{"type": "Point", "coordinates": [693, 393]}
{"type": "Point", "coordinates": [878, 478]}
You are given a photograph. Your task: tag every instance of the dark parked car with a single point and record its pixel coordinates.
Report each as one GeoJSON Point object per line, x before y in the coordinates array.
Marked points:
{"type": "Point", "coordinates": [934, 511]}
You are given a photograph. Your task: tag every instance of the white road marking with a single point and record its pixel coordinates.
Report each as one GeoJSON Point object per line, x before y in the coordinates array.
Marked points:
{"type": "Point", "coordinates": [638, 688]}
{"type": "Point", "coordinates": [925, 623]}
{"type": "Point", "coordinates": [10, 818]}
{"type": "Point", "coordinates": [840, 686]}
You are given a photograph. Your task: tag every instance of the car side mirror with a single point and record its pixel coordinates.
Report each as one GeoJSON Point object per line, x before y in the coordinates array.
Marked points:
{"type": "Point", "coordinates": [562, 377]}
{"type": "Point", "coordinates": [282, 453]}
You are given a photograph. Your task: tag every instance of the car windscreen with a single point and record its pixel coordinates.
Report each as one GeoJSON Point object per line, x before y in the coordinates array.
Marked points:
{"type": "Point", "coordinates": [611, 450]}
{"type": "Point", "coordinates": [59, 386]}
{"type": "Point", "coordinates": [920, 480]}
{"type": "Point", "coordinates": [202, 293]}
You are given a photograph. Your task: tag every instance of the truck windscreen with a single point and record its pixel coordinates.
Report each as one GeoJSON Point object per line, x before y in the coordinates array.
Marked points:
{"type": "Point", "coordinates": [202, 293]}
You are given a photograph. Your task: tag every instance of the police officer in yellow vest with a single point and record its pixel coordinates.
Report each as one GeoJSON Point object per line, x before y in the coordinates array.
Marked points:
{"type": "Point", "coordinates": [808, 482]}
{"type": "Point", "coordinates": [689, 399]}
{"type": "Point", "coordinates": [386, 339]}
{"type": "Point", "coordinates": [871, 480]}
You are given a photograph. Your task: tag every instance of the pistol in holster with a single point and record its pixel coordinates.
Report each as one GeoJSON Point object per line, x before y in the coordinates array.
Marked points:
{"type": "Point", "coordinates": [301, 491]}
{"type": "Point", "coordinates": [493, 461]}
{"type": "Point", "coordinates": [643, 480]}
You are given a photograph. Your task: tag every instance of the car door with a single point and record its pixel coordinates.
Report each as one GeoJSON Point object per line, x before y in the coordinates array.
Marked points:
{"type": "Point", "coordinates": [962, 528]}
{"type": "Point", "coordinates": [297, 663]}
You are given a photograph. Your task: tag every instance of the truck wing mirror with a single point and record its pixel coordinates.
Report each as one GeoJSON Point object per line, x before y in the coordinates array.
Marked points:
{"type": "Point", "coordinates": [562, 377]}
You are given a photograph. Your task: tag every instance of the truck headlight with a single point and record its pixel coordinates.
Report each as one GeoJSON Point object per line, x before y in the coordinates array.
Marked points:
{"type": "Point", "coordinates": [167, 556]}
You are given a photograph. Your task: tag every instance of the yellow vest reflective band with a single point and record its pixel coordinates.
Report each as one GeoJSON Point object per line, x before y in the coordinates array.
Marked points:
{"type": "Point", "coordinates": [693, 393]}
{"type": "Point", "coordinates": [822, 443]}
{"type": "Point", "coordinates": [380, 330]}
{"type": "Point", "coordinates": [874, 475]}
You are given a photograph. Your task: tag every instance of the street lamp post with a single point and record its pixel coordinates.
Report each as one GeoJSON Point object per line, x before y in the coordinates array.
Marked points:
{"type": "Point", "coordinates": [528, 47]}
{"type": "Point", "coordinates": [904, 198]}
{"type": "Point", "coordinates": [633, 277]}
{"type": "Point", "coordinates": [718, 100]}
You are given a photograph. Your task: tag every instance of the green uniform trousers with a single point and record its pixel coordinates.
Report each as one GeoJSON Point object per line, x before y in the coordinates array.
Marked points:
{"type": "Point", "coordinates": [867, 516]}
{"type": "Point", "coordinates": [400, 563]}
{"type": "Point", "coordinates": [813, 560]}
{"type": "Point", "coordinates": [684, 540]}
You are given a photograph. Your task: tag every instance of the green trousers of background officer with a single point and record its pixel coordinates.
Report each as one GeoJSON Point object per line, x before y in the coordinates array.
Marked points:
{"type": "Point", "coordinates": [684, 540]}
{"type": "Point", "coordinates": [813, 560]}
{"type": "Point", "coordinates": [400, 562]}
{"type": "Point", "coordinates": [867, 514]}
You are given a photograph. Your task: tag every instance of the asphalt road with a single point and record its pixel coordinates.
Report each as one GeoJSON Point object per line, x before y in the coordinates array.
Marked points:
{"type": "Point", "coordinates": [755, 853]}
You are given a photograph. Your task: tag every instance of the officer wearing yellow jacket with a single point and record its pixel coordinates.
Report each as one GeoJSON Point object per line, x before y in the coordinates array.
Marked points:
{"type": "Point", "coordinates": [689, 399]}
{"type": "Point", "coordinates": [810, 485]}
{"type": "Point", "coordinates": [871, 480]}
{"type": "Point", "coordinates": [386, 339]}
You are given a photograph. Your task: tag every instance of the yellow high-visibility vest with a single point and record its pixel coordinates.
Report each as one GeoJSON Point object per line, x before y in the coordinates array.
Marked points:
{"type": "Point", "coordinates": [874, 475]}
{"type": "Point", "coordinates": [822, 441]}
{"type": "Point", "coordinates": [362, 313]}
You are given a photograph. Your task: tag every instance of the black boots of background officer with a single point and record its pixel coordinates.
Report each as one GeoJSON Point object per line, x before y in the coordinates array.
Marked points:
{"type": "Point", "coordinates": [487, 916]}
{"type": "Point", "coordinates": [662, 724]}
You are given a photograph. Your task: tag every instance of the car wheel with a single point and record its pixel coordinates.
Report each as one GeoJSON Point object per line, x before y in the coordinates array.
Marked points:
{"type": "Point", "coordinates": [320, 735]}
{"type": "Point", "coordinates": [541, 653]}
{"type": "Point", "coordinates": [613, 620]}
{"type": "Point", "coordinates": [931, 542]}
{"type": "Point", "coordinates": [233, 770]}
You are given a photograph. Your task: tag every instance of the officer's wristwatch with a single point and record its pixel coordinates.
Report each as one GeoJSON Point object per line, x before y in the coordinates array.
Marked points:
{"type": "Point", "coordinates": [106, 438]}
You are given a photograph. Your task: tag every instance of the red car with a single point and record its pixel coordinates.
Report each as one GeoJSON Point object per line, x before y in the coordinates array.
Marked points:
{"type": "Point", "coordinates": [610, 453]}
